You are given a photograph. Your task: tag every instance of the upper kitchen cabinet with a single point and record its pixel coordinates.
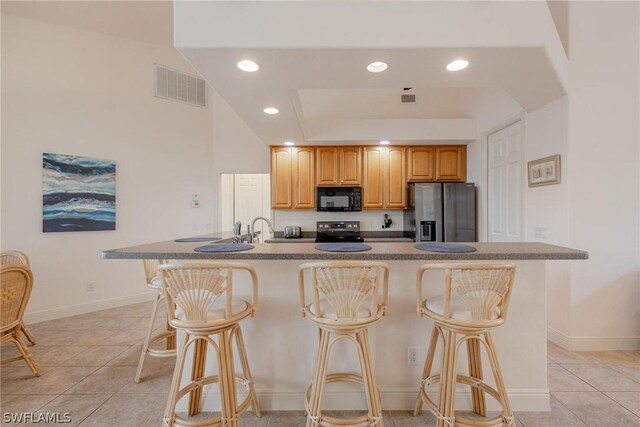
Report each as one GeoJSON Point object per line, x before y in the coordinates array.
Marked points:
{"type": "Point", "coordinates": [421, 163]}
{"type": "Point", "coordinates": [384, 178]}
{"type": "Point", "coordinates": [395, 182]}
{"type": "Point", "coordinates": [373, 179]}
{"type": "Point", "coordinates": [339, 166]}
{"type": "Point", "coordinates": [451, 163]}
{"type": "Point", "coordinates": [292, 177]}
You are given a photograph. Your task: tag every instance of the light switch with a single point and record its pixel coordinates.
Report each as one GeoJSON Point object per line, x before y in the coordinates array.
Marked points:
{"type": "Point", "coordinates": [195, 201]}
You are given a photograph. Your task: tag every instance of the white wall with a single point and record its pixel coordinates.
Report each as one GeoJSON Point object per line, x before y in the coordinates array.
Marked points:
{"type": "Point", "coordinates": [604, 172]}
{"type": "Point", "coordinates": [76, 92]}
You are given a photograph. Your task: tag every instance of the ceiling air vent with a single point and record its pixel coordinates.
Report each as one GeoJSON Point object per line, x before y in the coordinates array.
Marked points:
{"type": "Point", "coordinates": [407, 98]}
{"type": "Point", "coordinates": [182, 87]}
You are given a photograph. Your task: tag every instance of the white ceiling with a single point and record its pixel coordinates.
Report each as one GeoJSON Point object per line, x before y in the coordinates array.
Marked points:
{"type": "Point", "coordinates": [313, 57]}
{"type": "Point", "coordinates": [147, 21]}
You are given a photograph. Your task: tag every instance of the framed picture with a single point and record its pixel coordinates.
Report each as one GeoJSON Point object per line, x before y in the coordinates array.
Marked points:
{"type": "Point", "coordinates": [79, 193]}
{"type": "Point", "coordinates": [544, 171]}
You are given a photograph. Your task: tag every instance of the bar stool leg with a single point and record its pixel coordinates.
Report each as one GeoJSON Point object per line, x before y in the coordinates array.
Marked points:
{"type": "Point", "coordinates": [319, 374]}
{"type": "Point", "coordinates": [428, 364]}
{"type": "Point", "coordinates": [227, 381]}
{"type": "Point", "coordinates": [27, 333]}
{"type": "Point", "coordinates": [145, 346]}
{"type": "Point", "coordinates": [507, 413]}
{"type": "Point", "coordinates": [475, 371]}
{"type": "Point", "coordinates": [169, 413]}
{"type": "Point", "coordinates": [242, 352]}
{"type": "Point", "coordinates": [445, 414]}
{"type": "Point", "coordinates": [373, 396]}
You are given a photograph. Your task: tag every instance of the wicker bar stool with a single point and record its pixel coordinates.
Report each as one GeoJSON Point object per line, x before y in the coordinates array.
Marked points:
{"type": "Point", "coordinates": [16, 282]}
{"type": "Point", "coordinates": [475, 301]}
{"type": "Point", "coordinates": [154, 282]}
{"type": "Point", "coordinates": [203, 296]}
{"type": "Point", "coordinates": [345, 301]}
{"type": "Point", "coordinates": [18, 258]}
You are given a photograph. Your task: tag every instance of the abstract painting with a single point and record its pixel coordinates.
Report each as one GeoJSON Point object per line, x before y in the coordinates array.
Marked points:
{"type": "Point", "coordinates": [79, 193]}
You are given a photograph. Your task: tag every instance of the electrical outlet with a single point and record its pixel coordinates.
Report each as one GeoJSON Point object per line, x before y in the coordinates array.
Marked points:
{"type": "Point", "coordinates": [90, 287]}
{"type": "Point", "coordinates": [412, 356]}
{"type": "Point", "coordinates": [540, 232]}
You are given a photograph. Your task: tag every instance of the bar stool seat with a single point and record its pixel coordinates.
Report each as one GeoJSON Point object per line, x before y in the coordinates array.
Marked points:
{"type": "Point", "coordinates": [346, 300]}
{"type": "Point", "coordinates": [202, 294]}
{"type": "Point", "coordinates": [475, 301]}
{"type": "Point", "coordinates": [459, 310]}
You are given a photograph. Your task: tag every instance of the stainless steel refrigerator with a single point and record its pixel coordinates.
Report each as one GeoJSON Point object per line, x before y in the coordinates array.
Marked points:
{"type": "Point", "coordinates": [441, 212]}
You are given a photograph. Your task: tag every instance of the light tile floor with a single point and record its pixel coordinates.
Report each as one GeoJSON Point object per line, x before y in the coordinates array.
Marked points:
{"type": "Point", "coordinates": [89, 362]}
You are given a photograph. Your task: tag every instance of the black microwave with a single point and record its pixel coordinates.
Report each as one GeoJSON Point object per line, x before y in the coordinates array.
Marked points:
{"type": "Point", "coordinates": [339, 199]}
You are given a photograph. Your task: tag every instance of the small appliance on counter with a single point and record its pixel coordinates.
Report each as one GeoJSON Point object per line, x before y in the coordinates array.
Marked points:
{"type": "Point", "coordinates": [292, 232]}
{"type": "Point", "coordinates": [338, 231]}
{"type": "Point", "coordinates": [441, 212]}
{"type": "Point", "coordinates": [332, 199]}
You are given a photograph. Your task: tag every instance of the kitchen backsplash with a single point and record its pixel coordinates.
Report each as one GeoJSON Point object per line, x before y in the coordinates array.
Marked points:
{"type": "Point", "coordinates": [370, 220]}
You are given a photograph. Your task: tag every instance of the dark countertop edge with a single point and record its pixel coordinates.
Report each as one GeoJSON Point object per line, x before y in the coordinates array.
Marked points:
{"type": "Point", "coordinates": [427, 256]}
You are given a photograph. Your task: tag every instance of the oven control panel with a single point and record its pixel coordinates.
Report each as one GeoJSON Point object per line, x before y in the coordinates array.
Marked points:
{"type": "Point", "coordinates": [337, 227]}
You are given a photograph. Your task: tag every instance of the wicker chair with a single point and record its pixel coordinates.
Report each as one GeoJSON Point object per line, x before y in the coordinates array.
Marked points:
{"type": "Point", "coordinates": [154, 282]}
{"type": "Point", "coordinates": [16, 282]}
{"type": "Point", "coordinates": [202, 294]}
{"type": "Point", "coordinates": [347, 297]}
{"type": "Point", "coordinates": [18, 258]}
{"type": "Point", "coordinates": [475, 301]}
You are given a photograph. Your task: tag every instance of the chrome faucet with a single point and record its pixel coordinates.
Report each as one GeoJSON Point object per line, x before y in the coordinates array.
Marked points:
{"type": "Point", "coordinates": [251, 233]}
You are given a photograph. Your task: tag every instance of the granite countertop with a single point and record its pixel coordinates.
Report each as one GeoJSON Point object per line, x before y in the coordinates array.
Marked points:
{"type": "Point", "coordinates": [380, 251]}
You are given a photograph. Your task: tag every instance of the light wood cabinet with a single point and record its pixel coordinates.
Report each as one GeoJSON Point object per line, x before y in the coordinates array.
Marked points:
{"type": "Point", "coordinates": [292, 178]}
{"type": "Point", "coordinates": [383, 172]}
{"type": "Point", "coordinates": [421, 163]}
{"type": "Point", "coordinates": [304, 188]}
{"type": "Point", "coordinates": [281, 182]}
{"type": "Point", "coordinates": [373, 179]}
{"type": "Point", "coordinates": [384, 178]}
{"type": "Point", "coordinates": [395, 183]}
{"type": "Point", "coordinates": [327, 166]}
{"type": "Point", "coordinates": [338, 166]}
{"type": "Point", "coordinates": [451, 163]}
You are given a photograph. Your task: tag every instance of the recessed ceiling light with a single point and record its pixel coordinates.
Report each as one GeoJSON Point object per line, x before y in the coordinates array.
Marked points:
{"type": "Point", "coordinates": [289, 143]}
{"type": "Point", "coordinates": [377, 67]}
{"type": "Point", "coordinates": [457, 65]}
{"type": "Point", "coordinates": [271, 110]}
{"type": "Point", "coordinates": [385, 142]}
{"type": "Point", "coordinates": [248, 66]}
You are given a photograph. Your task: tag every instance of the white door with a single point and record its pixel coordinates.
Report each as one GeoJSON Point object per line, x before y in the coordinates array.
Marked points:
{"type": "Point", "coordinates": [244, 197]}
{"type": "Point", "coordinates": [505, 184]}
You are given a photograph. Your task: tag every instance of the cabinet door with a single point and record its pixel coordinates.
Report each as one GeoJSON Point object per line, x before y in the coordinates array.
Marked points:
{"type": "Point", "coordinates": [281, 185]}
{"type": "Point", "coordinates": [421, 164]}
{"type": "Point", "coordinates": [350, 163]}
{"type": "Point", "coordinates": [304, 194]}
{"type": "Point", "coordinates": [395, 185]}
{"type": "Point", "coordinates": [451, 163]}
{"type": "Point", "coordinates": [373, 196]}
{"type": "Point", "coordinates": [327, 166]}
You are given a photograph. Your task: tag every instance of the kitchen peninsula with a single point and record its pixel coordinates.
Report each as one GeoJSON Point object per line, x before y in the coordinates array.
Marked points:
{"type": "Point", "coordinates": [281, 345]}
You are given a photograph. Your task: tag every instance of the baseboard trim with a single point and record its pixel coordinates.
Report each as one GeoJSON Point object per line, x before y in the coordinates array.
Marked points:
{"type": "Point", "coordinates": [73, 310]}
{"type": "Point", "coordinates": [392, 399]}
{"type": "Point", "coordinates": [592, 343]}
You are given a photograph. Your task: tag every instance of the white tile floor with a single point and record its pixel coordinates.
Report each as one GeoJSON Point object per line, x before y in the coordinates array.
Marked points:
{"type": "Point", "coordinates": [89, 362]}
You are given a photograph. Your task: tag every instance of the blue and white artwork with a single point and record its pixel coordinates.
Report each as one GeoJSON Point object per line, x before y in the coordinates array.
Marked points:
{"type": "Point", "coordinates": [79, 193]}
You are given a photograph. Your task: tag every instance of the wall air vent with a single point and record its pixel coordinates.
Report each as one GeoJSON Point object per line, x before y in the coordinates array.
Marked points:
{"type": "Point", "coordinates": [177, 86]}
{"type": "Point", "coordinates": [407, 98]}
